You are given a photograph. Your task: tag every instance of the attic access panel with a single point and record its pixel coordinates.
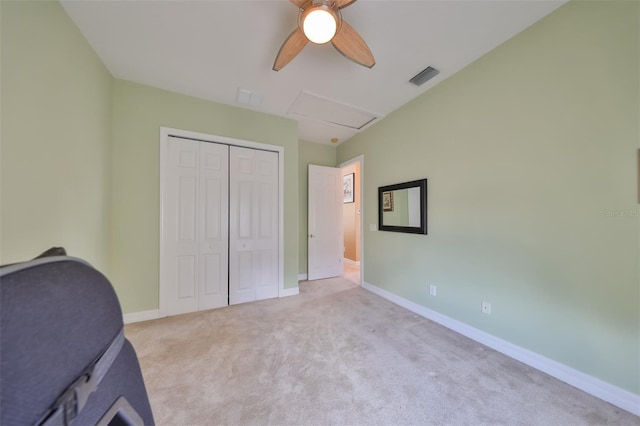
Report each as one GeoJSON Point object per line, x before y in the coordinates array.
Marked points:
{"type": "Point", "coordinates": [332, 112]}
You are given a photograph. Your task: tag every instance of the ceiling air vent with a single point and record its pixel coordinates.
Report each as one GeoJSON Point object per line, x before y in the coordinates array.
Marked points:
{"type": "Point", "coordinates": [424, 75]}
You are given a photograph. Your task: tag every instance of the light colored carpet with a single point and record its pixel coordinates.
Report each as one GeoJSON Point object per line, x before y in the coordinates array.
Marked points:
{"type": "Point", "coordinates": [340, 355]}
{"type": "Point", "coordinates": [352, 273]}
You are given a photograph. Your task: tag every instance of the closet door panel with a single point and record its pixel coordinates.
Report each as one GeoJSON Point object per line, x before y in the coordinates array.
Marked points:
{"type": "Point", "coordinates": [266, 225]}
{"type": "Point", "coordinates": [253, 238]}
{"type": "Point", "coordinates": [195, 226]}
{"type": "Point", "coordinates": [214, 226]}
{"type": "Point", "coordinates": [180, 233]}
{"type": "Point", "coordinates": [213, 282]}
{"type": "Point", "coordinates": [241, 218]}
{"type": "Point", "coordinates": [186, 277]}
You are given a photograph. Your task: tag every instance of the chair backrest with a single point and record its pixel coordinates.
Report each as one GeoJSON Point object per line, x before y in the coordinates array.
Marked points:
{"type": "Point", "coordinates": [58, 315]}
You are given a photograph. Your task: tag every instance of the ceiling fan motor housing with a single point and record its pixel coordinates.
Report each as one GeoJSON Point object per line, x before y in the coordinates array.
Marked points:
{"type": "Point", "coordinates": [313, 7]}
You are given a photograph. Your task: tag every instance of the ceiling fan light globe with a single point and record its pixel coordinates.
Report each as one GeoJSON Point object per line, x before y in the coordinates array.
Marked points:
{"type": "Point", "coordinates": [319, 26]}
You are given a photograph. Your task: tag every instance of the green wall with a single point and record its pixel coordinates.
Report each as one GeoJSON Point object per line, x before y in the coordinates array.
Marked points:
{"type": "Point", "coordinates": [531, 156]}
{"type": "Point", "coordinates": [138, 113]}
{"type": "Point", "coordinates": [320, 155]}
{"type": "Point", "coordinates": [80, 153]}
{"type": "Point", "coordinates": [55, 137]}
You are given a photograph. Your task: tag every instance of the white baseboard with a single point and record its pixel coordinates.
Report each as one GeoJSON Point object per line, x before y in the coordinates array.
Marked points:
{"type": "Point", "coordinates": [289, 292]}
{"type": "Point", "coordinates": [141, 316]}
{"type": "Point", "coordinates": [352, 262]}
{"type": "Point", "coordinates": [302, 277]}
{"type": "Point", "coordinates": [155, 313]}
{"type": "Point", "coordinates": [619, 397]}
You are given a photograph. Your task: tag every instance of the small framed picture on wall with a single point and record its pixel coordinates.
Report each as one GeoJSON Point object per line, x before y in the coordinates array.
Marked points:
{"type": "Point", "coordinates": [348, 188]}
{"type": "Point", "coordinates": [387, 201]}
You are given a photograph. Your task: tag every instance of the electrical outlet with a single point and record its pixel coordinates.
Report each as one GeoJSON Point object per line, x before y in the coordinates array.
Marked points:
{"type": "Point", "coordinates": [433, 290]}
{"type": "Point", "coordinates": [486, 308]}
{"type": "Point", "coordinates": [373, 227]}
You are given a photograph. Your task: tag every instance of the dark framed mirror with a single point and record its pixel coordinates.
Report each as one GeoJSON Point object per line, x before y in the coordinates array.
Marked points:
{"type": "Point", "coordinates": [403, 207]}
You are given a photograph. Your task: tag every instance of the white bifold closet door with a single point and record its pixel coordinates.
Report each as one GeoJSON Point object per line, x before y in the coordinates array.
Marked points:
{"type": "Point", "coordinates": [196, 225]}
{"type": "Point", "coordinates": [253, 225]}
{"type": "Point", "coordinates": [220, 225]}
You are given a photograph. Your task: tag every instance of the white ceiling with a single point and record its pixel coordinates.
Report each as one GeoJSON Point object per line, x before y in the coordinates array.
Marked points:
{"type": "Point", "coordinates": [210, 49]}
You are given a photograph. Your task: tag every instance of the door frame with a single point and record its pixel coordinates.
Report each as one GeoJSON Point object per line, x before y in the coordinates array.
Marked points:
{"type": "Point", "coordinates": [165, 133]}
{"type": "Point", "coordinates": [359, 159]}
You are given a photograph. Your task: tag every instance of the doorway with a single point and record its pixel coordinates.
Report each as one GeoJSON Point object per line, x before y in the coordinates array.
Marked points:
{"type": "Point", "coordinates": [352, 219]}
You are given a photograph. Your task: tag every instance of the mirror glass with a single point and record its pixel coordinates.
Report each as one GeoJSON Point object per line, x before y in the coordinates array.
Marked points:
{"type": "Point", "coordinates": [403, 207]}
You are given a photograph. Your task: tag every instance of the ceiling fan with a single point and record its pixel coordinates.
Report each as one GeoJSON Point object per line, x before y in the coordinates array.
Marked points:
{"type": "Point", "coordinates": [320, 21]}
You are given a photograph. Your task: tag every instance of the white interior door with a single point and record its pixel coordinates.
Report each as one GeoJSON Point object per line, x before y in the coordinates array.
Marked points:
{"type": "Point", "coordinates": [195, 227]}
{"type": "Point", "coordinates": [253, 225]}
{"type": "Point", "coordinates": [325, 233]}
